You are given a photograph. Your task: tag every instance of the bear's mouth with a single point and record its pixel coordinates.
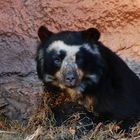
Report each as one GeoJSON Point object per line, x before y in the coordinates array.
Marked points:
{"type": "Point", "coordinates": [71, 86]}
{"type": "Point", "coordinates": [70, 83]}
{"type": "Point", "coordinates": [79, 86]}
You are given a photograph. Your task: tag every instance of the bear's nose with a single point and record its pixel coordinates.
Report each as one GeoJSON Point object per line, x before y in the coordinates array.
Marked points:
{"type": "Point", "coordinates": [70, 79]}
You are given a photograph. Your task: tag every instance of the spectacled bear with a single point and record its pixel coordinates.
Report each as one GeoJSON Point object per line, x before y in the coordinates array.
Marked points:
{"type": "Point", "coordinates": [77, 63]}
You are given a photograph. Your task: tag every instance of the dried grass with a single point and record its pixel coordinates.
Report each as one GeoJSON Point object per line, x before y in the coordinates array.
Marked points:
{"type": "Point", "coordinates": [40, 127]}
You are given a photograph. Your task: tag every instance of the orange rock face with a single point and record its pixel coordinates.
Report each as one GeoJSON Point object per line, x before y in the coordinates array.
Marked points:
{"type": "Point", "coordinates": [117, 20]}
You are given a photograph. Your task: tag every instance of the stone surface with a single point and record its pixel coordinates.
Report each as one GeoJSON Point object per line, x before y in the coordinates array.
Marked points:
{"type": "Point", "coordinates": [117, 20]}
{"type": "Point", "coordinates": [18, 101]}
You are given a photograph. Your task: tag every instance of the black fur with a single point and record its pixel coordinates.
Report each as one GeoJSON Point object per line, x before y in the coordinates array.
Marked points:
{"type": "Point", "coordinates": [117, 94]}
{"type": "Point", "coordinates": [116, 91]}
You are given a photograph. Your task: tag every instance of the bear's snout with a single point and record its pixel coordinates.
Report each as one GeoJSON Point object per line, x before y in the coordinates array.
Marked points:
{"type": "Point", "coordinates": [70, 76]}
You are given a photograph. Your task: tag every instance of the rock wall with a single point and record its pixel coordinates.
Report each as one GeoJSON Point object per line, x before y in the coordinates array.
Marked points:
{"type": "Point", "coordinates": [117, 20]}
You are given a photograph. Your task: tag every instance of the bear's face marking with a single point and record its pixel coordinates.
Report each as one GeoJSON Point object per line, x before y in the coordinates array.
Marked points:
{"type": "Point", "coordinates": [68, 74]}
{"type": "Point", "coordinates": [69, 59]}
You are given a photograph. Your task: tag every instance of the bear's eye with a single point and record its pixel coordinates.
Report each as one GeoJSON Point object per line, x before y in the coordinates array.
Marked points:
{"type": "Point", "coordinates": [79, 59]}
{"type": "Point", "coordinates": [57, 61]}
{"type": "Point", "coordinates": [58, 58]}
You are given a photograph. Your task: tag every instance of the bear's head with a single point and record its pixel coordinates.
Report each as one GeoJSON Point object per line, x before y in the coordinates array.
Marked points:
{"type": "Point", "coordinates": [69, 58]}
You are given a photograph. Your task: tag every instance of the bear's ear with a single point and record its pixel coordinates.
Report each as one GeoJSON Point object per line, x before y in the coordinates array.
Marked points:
{"type": "Point", "coordinates": [91, 34]}
{"type": "Point", "coordinates": [44, 33]}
